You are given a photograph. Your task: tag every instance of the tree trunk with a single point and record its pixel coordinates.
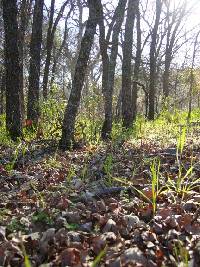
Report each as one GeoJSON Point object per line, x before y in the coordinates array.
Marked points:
{"type": "Point", "coordinates": [166, 76]}
{"type": "Point", "coordinates": [71, 111]}
{"type": "Point", "coordinates": [49, 46]}
{"type": "Point", "coordinates": [35, 58]}
{"type": "Point", "coordinates": [127, 66]}
{"type": "Point", "coordinates": [105, 62]}
{"type": "Point", "coordinates": [2, 90]}
{"type": "Point", "coordinates": [137, 66]}
{"type": "Point", "coordinates": [118, 110]}
{"type": "Point", "coordinates": [22, 29]}
{"type": "Point", "coordinates": [192, 78]}
{"type": "Point", "coordinates": [153, 62]}
{"type": "Point", "coordinates": [12, 67]}
{"type": "Point", "coordinates": [108, 94]}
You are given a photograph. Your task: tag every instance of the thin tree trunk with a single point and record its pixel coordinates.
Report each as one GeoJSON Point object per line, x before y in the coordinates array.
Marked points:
{"type": "Point", "coordinates": [105, 63]}
{"type": "Point", "coordinates": [49, 46]}
{"type": "Point", "coordinates": [127, 65]}
{"type": "Point", "coordinates": [22, 29]}
{"type": "Point", "coordinates": [35, 58]}
{"type": "Point", "coordinates": [71, 111]}
{"type": "Point", "coordinates": [2, 90]}
{"type": "Point", "coordinates": [118, 107]}
{"type": "Point", "coordinates": [171, 38]}
{"type": "Point", "coordinates": [12, 66]}
{"type": "Point", "coordinates": [108, 94]}
{"type": "Point", "coordinates": [137, 65]}
{"type": "Point", "coordinates": [153, 62]}
{"type": "Point", "coordinates": [192, 78]}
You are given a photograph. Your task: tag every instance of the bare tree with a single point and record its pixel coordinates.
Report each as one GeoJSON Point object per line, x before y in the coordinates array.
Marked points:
{"type": "Point", "coordinates": [63, 44]}
{"type": "Point", "coordinates": [50, 39]}
{"type": "Point", "coordinates": [177, 16]}
{"type": "Point", "coordinates": [108, 93]}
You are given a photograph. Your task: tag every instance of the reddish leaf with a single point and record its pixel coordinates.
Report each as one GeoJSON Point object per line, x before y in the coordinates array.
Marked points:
{"type": "Point", "coordinates": [70, 257]}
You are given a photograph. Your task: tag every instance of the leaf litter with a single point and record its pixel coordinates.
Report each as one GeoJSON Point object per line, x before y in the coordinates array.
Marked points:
{"type": "Point", "coordinates": [94, 206]}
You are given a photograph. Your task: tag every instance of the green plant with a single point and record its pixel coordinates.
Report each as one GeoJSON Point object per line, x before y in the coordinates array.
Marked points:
{"type": "Point", "coordinates": [84, 172]}
{"type": "Point", "coordinates": [99, 257]}
{"type": "Point", "coordinates": [181, 141]}
{"type": "Point", "coordinates": [4, 213]}
{"type": "Point", "coordinates": [155, 172]}
{"type": "Point", "coordinates": [181, 254]}
{"type": "Point", "coordinates": [4, 136]}
{"type": "Point", "coordinates": [71, 174]}
{"type": "Point", "coordinates": [108, 168]}
{"type": "Point", "coordinates": [88, 129]}
{"type": "Point", "coordinates": [52, 162]}
{"type": "Point", "coordinates": [21, 147]}
{"type": "Point", "coordinates": [184, 183]}
{"type": "Point", "coordinates": [156, 188]}
{"type": "Point", "coordinates": [71, 226]}
{"type": "Point", "coordinates": [42, 216]}
{"type": "Point", "coordinates": [27, 262]}
{"type": "Point", "coordinates": [41, 200]}
{"type": "Point", "coordinates": [52, 113]}
{"type": "Point", "coordinates": [16, 225]}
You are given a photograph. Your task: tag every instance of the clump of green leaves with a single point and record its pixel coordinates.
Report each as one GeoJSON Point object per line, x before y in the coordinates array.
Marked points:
{"type": "Point", "coordinates": [20, 150]}
{"type": "Point", "coordinates": [71, 174]}
{"type": "Point", "coordinates": [71, 226]}
{"type": "Point", "coordinates": [41, 216]}
{"type": "Point", "coordinates": [16, 225]}
{"type": "Point", "coordinates": [52, 113]}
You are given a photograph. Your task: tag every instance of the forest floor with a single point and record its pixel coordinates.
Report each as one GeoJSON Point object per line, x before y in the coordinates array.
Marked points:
{"type": "Point", "coordinates": [131, 203]}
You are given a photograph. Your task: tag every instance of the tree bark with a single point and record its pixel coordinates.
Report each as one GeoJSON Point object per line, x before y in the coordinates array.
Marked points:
{"type": "Point", "coordinates": [108, 94]}
{"type": "Point", "coordinates": [12, 67]}
{"type": "Point", "coordinates": [137, 65]}
{"type": "Point", "coordinates": [49, 46]}
{"type": "Point", "coordinates": [35, 58]}
{"type": "Point", "coordinates": [71, 111]}
{"type": "Point", "coordinates": [153, 62]}
{"type": "Point", "coordinates": [127, 65]}
{"type": "Point", "coordinates": [105, 62]}
{"type": "Point", "coordinates": [192, 78]}
{"type": "Point", "coordinates": [2, 90]}
{"type": "Point", "coordinates": [25, 4]}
